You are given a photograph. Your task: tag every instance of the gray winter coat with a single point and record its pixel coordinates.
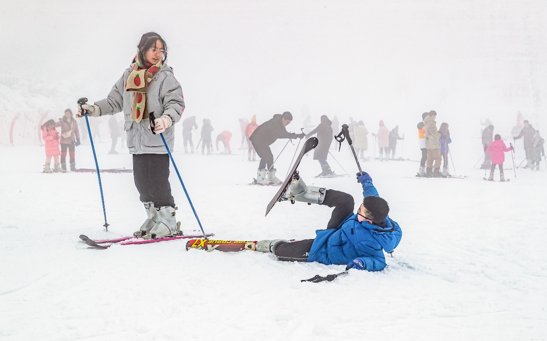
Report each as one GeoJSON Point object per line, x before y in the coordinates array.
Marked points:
{"type": "Point", "coordinates": [163, 97]}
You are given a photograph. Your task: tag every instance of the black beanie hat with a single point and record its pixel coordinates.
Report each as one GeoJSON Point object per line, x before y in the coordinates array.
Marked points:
{"type": "Point", "coordinates": [377, 208]}
{"type": "Point", "coordinates": [287, 115]}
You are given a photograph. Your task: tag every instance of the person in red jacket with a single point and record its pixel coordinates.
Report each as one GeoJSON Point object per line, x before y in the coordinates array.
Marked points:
{"type": "Point", "coordinates": [50, 135]}
{"type": "Point", "coordinates": [496, 150]}
{"type": "Point", "coordinates": [249, 130]}
{"type": "Point", "coordinates": [225, 137]}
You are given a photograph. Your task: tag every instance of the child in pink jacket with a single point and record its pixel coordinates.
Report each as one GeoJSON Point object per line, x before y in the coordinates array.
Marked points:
{"type": "Point", "coordinates": [51, 142]}
{"type": "Point", "coordinates": [496, 149]}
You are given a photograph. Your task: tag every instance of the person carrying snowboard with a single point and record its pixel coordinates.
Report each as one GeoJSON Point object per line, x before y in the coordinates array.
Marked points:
{"type": "Point", "coordinates": [148, 86]}
{"type": "Point", "coordinates": [496, 151]}
{"type": "Point", "coordinates": [263, 136]}
{"type": "Point", "coordinates": [356, 240]}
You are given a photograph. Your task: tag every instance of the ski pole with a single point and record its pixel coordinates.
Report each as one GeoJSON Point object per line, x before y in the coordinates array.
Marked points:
{"type": "Point", "coordinates": [513, 159]}
{"type": "Point", "coordinates": [152, 118]}
{"type": "Point", "coordinates": [339, 164]}
{"type": "Point", "coordinates": [278, 155]}
{"type": "Point", "coordinates": [81, 102]}
{"type": "Point", "coordinates": [343, 135]}
{"type": "Point", "coordinates": [452, 161]}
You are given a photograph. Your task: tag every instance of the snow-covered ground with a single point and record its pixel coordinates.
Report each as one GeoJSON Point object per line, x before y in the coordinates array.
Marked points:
{"type": "Point", "coordinates": [470, 266]}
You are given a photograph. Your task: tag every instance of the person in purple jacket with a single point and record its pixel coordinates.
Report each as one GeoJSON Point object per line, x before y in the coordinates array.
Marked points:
{"type": "Point", "coordinates": [444, 140]}
{"type": "Point", "coordinates": [356, 240]}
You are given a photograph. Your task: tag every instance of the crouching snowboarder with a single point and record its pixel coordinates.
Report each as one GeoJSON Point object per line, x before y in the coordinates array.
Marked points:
{"type": "Point", "coordinates": [356, 240]}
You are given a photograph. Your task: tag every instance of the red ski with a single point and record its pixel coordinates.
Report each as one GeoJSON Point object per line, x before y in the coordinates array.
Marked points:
{"type": "Point", "coordinates": [221, 245]}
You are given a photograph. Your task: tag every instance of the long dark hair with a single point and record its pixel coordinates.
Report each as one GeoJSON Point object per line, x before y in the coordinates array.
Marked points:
{"type": "Point", "coordinates": [148, 40]}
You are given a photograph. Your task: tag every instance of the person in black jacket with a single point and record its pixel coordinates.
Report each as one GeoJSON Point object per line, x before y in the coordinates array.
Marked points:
{"type": "Point", "coordinates": [321, 152]}
{"type": "Point", "coordinates": [266, 134]}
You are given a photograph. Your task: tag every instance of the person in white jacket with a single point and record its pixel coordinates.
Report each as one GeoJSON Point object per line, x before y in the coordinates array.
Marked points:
{"type": "Point", "coordinates": [148, 86]}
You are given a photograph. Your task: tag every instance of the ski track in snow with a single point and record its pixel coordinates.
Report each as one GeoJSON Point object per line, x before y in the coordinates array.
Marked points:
{"type": "Point", "coordinates": [470, 264]}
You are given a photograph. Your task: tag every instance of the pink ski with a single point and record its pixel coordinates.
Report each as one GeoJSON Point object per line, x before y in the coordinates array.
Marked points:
{"type": "Point", "coordinates": [106, 243]}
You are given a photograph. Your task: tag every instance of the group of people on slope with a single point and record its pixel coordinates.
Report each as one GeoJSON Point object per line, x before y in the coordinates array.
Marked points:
{"type": "Point", "coordinates": [206, 137]}
{"type": "Point", "coordinates": [148, 85]}
{"type": "Point", "coordinates": [387, 141]}
{"type": "Point", "coordinates": [433, 144]}
{"type": "Point", "coordinates": [533, 147]}
{"type": "Point", "coordinates": [66, 142]}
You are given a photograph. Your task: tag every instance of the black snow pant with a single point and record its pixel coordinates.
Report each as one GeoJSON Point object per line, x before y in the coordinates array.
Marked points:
{"type": "Point", "coordinates": [298, 251]}
{"type": "Point", "coordinates": [266, 156]}
{"type": "Point", "coordinates": [151, 175]}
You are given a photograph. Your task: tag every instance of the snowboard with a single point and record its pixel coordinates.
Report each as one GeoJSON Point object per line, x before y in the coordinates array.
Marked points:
{"type": "Point", "coordinates": [130, 240]}
{"type": "Point", "coordinates": [221, 245]}
{"type": "Point", "coordinates": [310, 144]}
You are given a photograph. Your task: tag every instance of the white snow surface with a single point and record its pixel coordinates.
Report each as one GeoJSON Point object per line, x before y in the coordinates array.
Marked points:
{"type": "Point", "coordinates": [470, 266]}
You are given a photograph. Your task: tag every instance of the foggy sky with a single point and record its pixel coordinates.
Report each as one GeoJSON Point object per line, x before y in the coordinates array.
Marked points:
{"type": "Point", "coordinates": [369, 60]}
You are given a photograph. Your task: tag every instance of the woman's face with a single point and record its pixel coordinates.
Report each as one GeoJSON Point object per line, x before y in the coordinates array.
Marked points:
{"type": "Point", "coordinates": [154, 54]}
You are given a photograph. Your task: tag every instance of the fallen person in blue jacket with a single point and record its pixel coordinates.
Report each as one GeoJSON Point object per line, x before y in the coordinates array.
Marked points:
{"type": "Point", "coordinates": [355, 240]}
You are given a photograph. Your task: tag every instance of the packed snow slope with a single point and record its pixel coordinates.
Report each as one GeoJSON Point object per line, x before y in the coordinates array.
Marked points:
{"type": "Point", "coordinates": [470, 266]}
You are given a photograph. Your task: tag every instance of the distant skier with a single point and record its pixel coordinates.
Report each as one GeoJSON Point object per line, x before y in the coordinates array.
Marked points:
{"type": "Point", "coordinates": [249, 130]}
{"type": "Point", "coordinates": [206, 136]}
{"type": "Point", "coordinates": [70, 138]}
{"type": "Point", "coordinates": [432, 143]}
{"type": "Point", "coordinates": [445, 140]}
{"type": "Point", "coordinates": [266, 134]}
{"type": "Point", "coordinates": [359, 134]}
{"type": "Point", "coordinates": [243, 122]}
{"type": "Point", "coordinates": [225, 137]}
{"type": "Point", "coordinates": [115, 134]}
{"type": "Point", "coordinates": [188, 125]}
{"type": "Point", "coordinates": [356, 240]}
{"type": "Point", "coordinates": [487, 138]}
{"type": "Point", "coordinates": [50, 136]}
{"type": "Point", "coordinates": [527, 133]}
{"type": "Point", "coordinates": [321, 152]}
{"type": "Point", "coordinates": [421, 144]}
{"type": "Point", "coordinates": [383, 140]}
{"type": "Point", "coordinates": [496, 150]}
{"type": "Point", "coordinates": [393, 138]}
{"type": "Point", "coordinates": [538, 151]}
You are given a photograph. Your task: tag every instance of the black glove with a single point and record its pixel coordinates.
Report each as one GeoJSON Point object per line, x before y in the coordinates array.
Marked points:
{"type": "Point", "coordinates": [77, 142]}
{"type": "Point", "coordinates": [301, 135]}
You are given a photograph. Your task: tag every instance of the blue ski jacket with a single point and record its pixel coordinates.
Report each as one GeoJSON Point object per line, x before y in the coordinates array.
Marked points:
{"type": "Point", "coordinates": [354, 240]}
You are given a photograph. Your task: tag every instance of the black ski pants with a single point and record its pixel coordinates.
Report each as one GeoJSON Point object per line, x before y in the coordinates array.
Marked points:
{"type": "Point", "coordinates": [265, 154]}
{"type": "Point", "coordinates": [298, 251]}
{"type": "Point", "coordinates": [151, 175]}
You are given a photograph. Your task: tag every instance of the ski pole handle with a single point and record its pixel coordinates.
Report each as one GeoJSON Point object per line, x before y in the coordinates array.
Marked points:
{"type": "Point", "coordinates": [345, 129]}
{"type": "Point", "coordinates": [152, 122]}
{"type": "Point", "coordinates": [82, 101]}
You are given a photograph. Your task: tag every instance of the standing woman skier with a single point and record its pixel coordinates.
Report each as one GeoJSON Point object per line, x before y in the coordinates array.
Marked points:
{"type": "Point", "coordinates": [148, 86]}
